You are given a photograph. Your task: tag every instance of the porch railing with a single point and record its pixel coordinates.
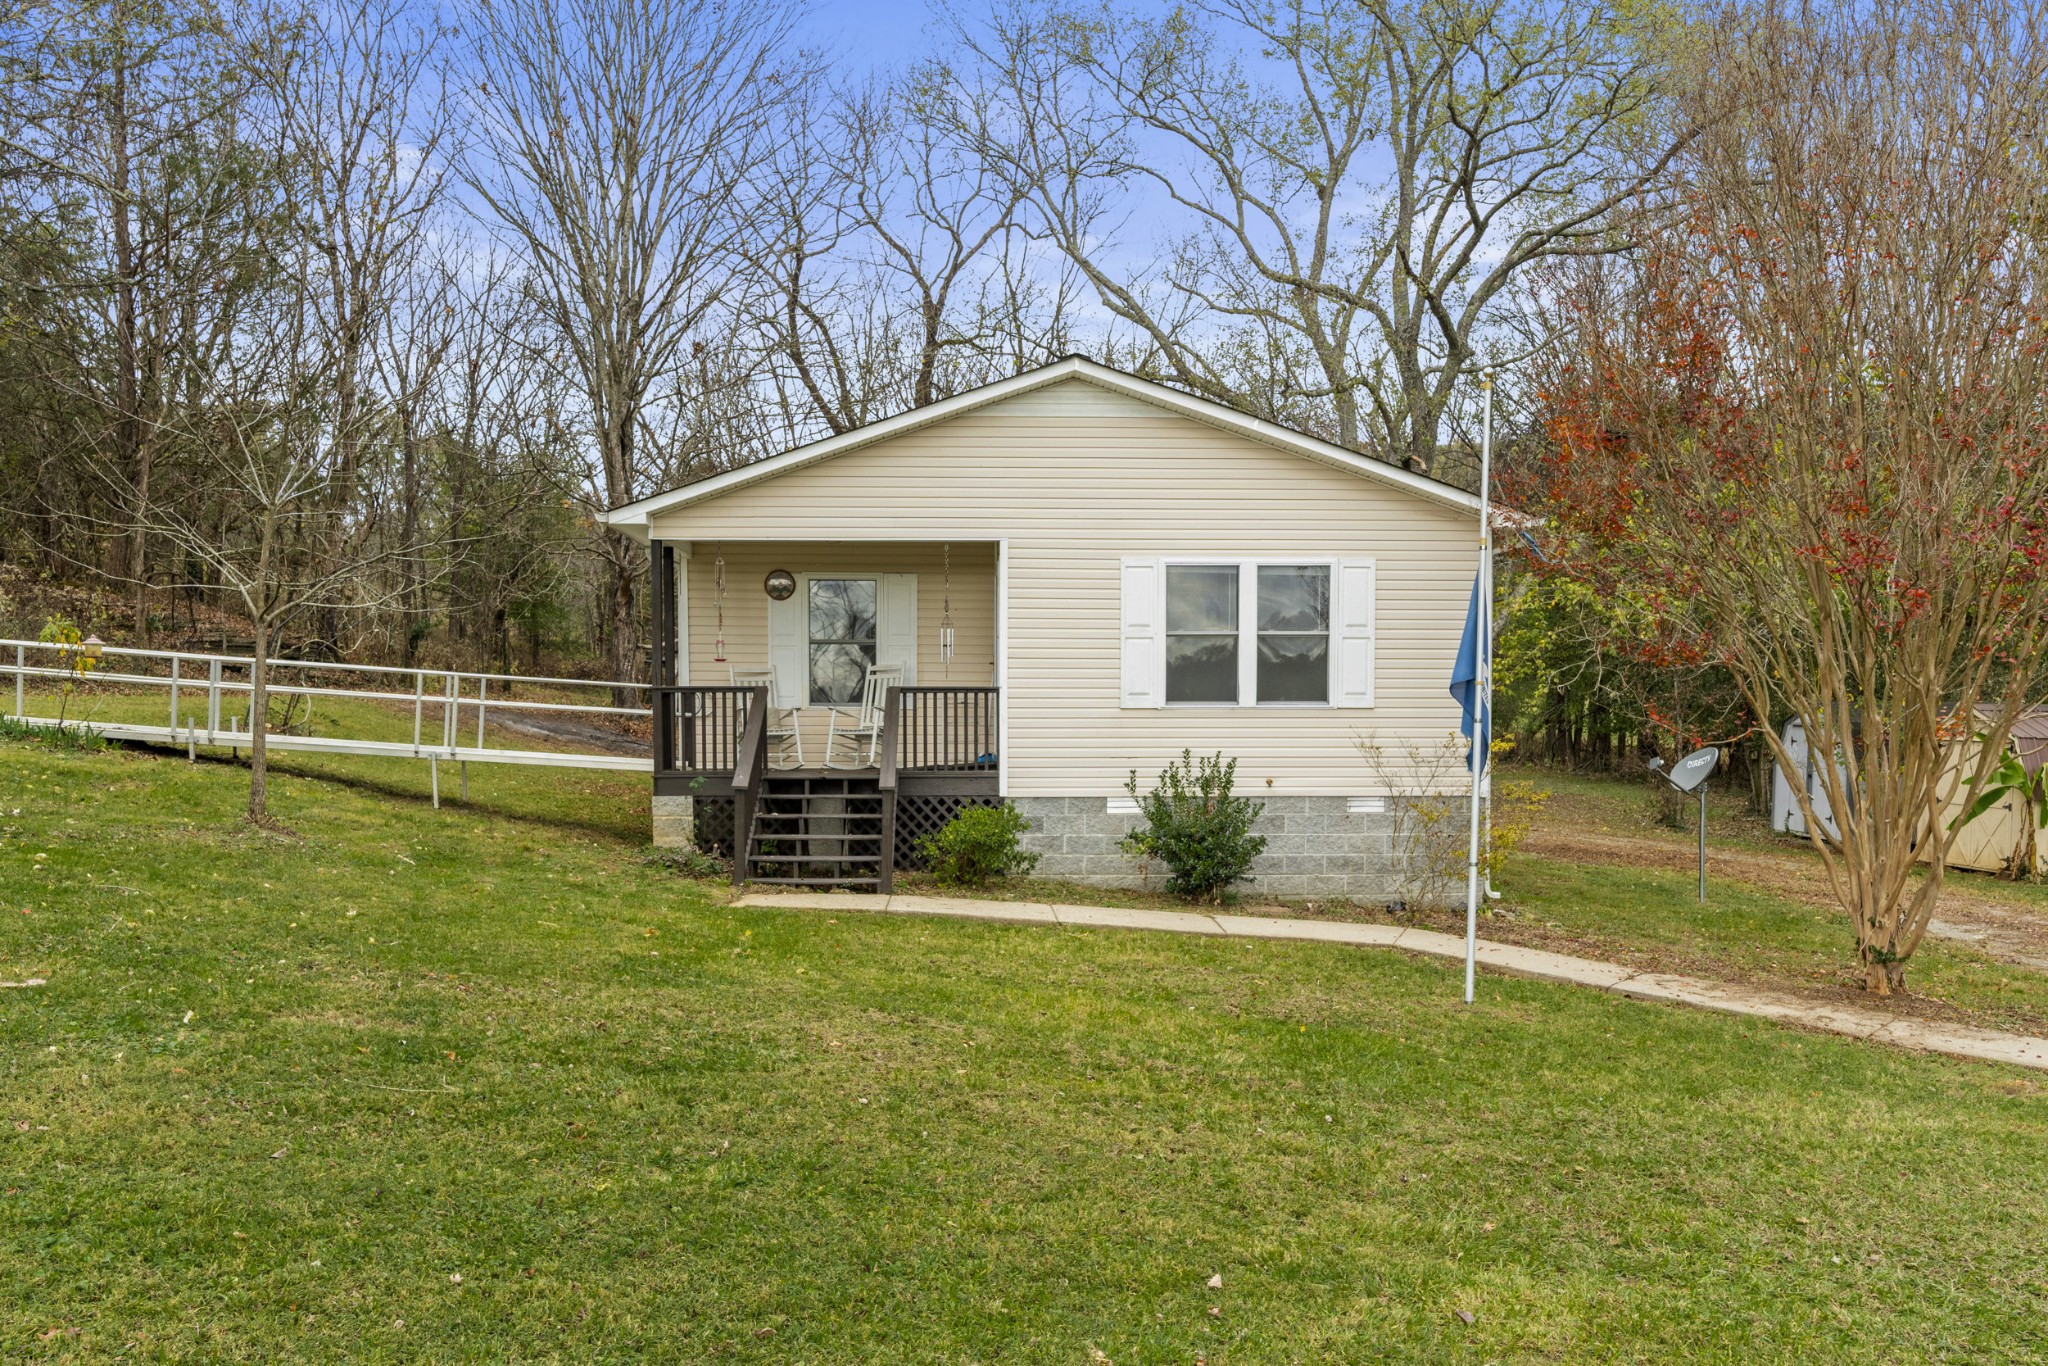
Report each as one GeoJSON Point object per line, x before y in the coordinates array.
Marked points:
{"type": "Point", "coordinates": [698, 730]}
{"type": "Point", "coordinates": [928, 731]}
{"type": "Point", "coordinates": [943, 730]}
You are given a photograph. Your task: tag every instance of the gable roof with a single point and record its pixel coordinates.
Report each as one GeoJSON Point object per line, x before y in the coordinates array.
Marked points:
{"type": "Point", "coordinates": [633, 517]}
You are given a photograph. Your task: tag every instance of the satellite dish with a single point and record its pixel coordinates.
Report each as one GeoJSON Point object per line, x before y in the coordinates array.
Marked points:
{"type": "Point", "coordinates": [1689, 775]}
{"type": "Point", "coordinates": [1689, 772]}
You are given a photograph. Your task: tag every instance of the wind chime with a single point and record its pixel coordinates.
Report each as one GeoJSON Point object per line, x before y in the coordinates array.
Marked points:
{"type": "Point", "coordinates": [718, 598]}
{"type": "Point", "coordinates": [946, 617]}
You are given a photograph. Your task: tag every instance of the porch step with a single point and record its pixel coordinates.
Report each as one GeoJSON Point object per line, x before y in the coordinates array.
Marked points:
{"type": "Point", "coordinates": [811, 882]}
{"type": "Point", "coordinates": [816, 830]}
{"type": "Point", "coordinates": [863, 861]}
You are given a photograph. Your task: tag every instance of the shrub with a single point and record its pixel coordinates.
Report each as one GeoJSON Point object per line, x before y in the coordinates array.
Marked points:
{"type": "Point", "coordinates": [1429, 813]}
{"type": "Point", "coordinates": [1194, 826]}
{"type": "Point", "coordinates": [72, 656]}
{"type": "Point", "coordinates": [978, 845]}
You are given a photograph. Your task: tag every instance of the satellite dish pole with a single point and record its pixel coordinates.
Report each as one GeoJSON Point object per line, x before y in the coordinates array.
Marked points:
{"type": "Point", "coordinates": [1690, 775]}
{"type": "Point", "coordinates": [1703, 844]}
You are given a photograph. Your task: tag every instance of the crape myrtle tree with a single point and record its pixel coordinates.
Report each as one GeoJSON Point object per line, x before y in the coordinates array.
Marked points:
{"type": "Point", "coordinates": [1804, 427]}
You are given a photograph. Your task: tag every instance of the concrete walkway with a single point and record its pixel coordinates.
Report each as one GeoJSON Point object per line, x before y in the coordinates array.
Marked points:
{"type": "Point", "coordinates": [1861, 1022]}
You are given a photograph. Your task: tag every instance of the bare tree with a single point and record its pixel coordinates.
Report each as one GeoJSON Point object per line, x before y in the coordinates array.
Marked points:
{"type": "Point", "coordinates": [506, 469]}
{"type": "Point", "coordinates": [1352, 203]}
{"type": "Point", "coordinates": [271, 434]}
{"type": "Point", "coordinates": [367, 138]}
{"type": "Point", "coordinates": [1806, 427]}
{"type": "Point", "coordinates": [419, 331]}
{"type": "Point", "coordinates": [926, 224]}
{"type": "Point", "coordinates": [617, 144]}
{"type": "Point", "coordinates": [260, 455]}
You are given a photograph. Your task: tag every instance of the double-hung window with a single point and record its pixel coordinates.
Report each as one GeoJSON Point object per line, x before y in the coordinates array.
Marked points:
{"type": "Point", "coordinates": [842, 638]}
{"type": "Point", "coordinates": [1247, 633]}
{"type": "Point", "coordinates": [1293, 623]}
{"type": "Point", "coordinates": [1202, 628]}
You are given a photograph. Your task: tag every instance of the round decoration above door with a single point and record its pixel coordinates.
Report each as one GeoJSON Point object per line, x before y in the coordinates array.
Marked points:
{"type": "Point", "coordinates": [779, 584]}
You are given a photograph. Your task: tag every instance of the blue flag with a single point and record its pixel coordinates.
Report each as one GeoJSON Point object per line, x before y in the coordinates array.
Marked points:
{"type": "Point", "coordinates": [1465, 683]}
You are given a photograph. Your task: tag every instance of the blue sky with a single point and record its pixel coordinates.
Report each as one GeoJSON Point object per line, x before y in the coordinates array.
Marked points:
{"type": "Point", "coordinates": [866, 34]}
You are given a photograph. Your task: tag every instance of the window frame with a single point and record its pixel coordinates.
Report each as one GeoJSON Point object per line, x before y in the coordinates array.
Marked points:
{"type": "Point", "coordinates": [1248, 627]}
{"type": "Point", "coordinates": [1167, 634]}
{"type": "Point", "coordinates": [1328, 633]}
{"type": "Point", "coordinates": [811, 642]}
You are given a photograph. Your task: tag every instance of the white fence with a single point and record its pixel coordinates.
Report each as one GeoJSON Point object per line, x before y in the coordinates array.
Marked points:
{"type": "Point", "coordinates": [203, 691]}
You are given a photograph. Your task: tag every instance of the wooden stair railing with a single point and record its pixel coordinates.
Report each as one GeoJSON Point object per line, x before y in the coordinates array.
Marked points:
{"type": "Point", "coordinates": [748, 768]}
{"type": "Point", "coordinates": [892, 712]}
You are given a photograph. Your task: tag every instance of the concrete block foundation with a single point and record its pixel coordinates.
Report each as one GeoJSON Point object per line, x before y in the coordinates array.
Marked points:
{"type": "Point", "coordinates": [1315, 846]}
{"type": "Point", "coordinates": [675, 822]}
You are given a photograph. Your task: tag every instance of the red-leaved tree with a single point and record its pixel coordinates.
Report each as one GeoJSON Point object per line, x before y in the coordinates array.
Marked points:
{"type": "Point", "coordinates": [1805, 428]}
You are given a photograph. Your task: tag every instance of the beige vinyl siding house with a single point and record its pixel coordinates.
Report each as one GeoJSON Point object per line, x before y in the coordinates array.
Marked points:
{"type": "Point", "coordinates": [1130, 572]}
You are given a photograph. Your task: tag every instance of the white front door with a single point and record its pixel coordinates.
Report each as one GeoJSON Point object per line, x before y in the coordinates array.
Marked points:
{"type": "Point", "coordinates": [824, 637]}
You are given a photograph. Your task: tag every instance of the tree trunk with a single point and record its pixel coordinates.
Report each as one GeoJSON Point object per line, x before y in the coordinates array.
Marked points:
{"type": "Point", "coordinates": [259, 725]}
{"type": "Point", "coordinates": [128, 436]}
{"type": "Point", "coordinates": [620, 621]}
{"type": "Point", "coordinates": [138, 554]}
{"type": "Point", "coordinates": [1882, 978]}
{"type": "Point", "coordinates": [411, 594]}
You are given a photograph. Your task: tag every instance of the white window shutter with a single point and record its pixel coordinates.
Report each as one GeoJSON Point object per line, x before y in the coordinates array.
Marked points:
{"type": "Point", "coordinates": [896, 623]}
{"type": "Point", "coordinates": [1144, 634]}
{"type": "Point", "coordinates": [1352, 629]}
{"type": "Point", "coordinates": [789, 652]}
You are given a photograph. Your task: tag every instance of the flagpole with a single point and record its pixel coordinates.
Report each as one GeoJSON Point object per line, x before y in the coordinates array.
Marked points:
{"type": "Point", "coordinates": [1482, 726]}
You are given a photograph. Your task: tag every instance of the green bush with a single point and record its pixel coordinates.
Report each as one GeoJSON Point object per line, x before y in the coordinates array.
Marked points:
{"type": "Point", "coordinates": [977, 846]}
{"type": "Point", "coordinates": [1196, 827]}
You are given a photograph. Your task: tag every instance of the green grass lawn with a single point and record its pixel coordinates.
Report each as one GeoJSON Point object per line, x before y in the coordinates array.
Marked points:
{"type": "Point", "coordinates": [1628, 805]}
{"type": "Point", "coordinates": [1650, 917]}
{"type": "Point", "coordinates": [280, 1094]}
{"type": "Point", "coordinates": [1744, 931]}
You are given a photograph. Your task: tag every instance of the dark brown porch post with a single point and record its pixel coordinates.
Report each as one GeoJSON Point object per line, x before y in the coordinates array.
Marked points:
{"type": "Point", "coordinates": [661, 562]}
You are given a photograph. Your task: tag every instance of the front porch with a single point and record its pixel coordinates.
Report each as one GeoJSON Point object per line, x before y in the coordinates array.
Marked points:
{"type": "Point", "coordinates": [852, 825]}
{"type": "Point", "coordinates": [791, 732]}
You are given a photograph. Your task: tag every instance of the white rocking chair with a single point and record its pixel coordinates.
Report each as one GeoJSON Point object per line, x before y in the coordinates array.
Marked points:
{"type": "Point", "coordinates": [863, 728]}
{"type": "Point", "coordinates": [784, 731]}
